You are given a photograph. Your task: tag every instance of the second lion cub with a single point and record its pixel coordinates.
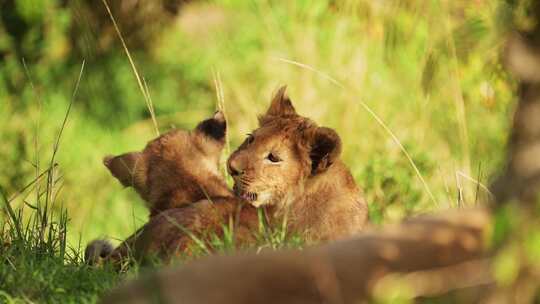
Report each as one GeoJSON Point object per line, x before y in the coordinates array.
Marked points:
{"type": "Point", "coordinates": [177, 174]}
{"type": "Point", "coordinates": [177, 168]}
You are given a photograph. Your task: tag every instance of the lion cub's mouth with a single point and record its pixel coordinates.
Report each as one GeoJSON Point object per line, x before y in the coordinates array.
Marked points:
{"type": "Point", "coordinates": [251, 197]}
{"type": "Point", "coordinates": [255, 199]}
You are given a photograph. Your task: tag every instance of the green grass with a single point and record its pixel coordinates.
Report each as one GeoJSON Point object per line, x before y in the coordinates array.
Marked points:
{"type": "Point", "coordinates": [37, 264]}
{"type": "Point", "coordinates": [429, 70]}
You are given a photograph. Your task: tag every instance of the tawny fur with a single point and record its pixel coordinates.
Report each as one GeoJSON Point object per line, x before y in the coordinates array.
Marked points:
{"type": "Point", "coordinates": [308, 183]}
{"type": "Point", "coordinates": [176, 232]}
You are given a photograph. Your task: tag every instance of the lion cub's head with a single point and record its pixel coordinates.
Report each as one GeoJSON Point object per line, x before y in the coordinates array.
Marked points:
{"type": "Point", "coordinates": [276, 161]}
{"type": "Point", "coordinates": [177, 168]}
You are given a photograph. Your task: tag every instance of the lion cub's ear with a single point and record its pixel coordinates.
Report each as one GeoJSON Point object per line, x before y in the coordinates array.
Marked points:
{"type": "Point", "coordinates": [325, 149]}
{"type": "Point", "coordinates": [281, 105]}
{"type": "Point", "coordinates": [125, 167]}
{"type": "Point", "coordinates": [214, 128]}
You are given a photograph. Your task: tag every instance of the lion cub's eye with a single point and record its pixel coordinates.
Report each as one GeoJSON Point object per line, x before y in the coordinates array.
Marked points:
{"type": "Point", "coordinates": [273, 158]}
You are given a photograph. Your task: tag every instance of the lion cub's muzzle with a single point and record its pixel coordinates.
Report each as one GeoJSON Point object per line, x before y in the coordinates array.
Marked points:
{"type": "Point", "coordinates": [236, 168]}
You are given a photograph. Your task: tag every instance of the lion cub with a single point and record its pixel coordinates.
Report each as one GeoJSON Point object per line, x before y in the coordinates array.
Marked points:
{"type": "Point", "coordinates": [292, 166]}
{"type": "Point", "coordinates": [177, 168]}
{"type": "Point", "coordinates": [177, 175]}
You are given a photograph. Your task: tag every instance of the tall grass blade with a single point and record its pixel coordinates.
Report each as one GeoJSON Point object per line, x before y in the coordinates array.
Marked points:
{"type": "Point", "coordinates": [147, 98]}
{"type": "Point", "coordinates": [11, 213]}
{"type": "Point", "coordinates": [38, 122]}
{"type": "Point", "coordinates": [221, 106]}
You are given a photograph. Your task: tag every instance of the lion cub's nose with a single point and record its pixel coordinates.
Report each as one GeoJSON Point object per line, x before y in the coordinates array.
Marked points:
{"type": "Point", "coordinates": [234, 167]}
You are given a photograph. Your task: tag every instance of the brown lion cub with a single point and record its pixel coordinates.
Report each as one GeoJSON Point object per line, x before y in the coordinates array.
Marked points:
{"type": "Point", "coordinates": [292, 166]}
{"type": "Point", "coordinates": [177, 168]}
{"type": "Point", "coordinates": [177, 175]}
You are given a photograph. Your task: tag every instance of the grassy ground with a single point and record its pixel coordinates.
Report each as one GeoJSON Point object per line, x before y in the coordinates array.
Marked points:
{"type": "Point", "coordinates": [415, 89]}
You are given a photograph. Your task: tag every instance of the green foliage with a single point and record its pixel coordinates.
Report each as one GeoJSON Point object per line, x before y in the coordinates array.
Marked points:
{"type": "Point", "coordinates": [36, 262]}
{"type": "Point", "coordinates": [30, 278]}
{"type": "Point", "coordinates": [394, 191]}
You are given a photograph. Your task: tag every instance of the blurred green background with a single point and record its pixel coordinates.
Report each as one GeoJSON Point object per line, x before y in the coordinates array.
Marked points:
{"type": "Point", "coordinates": [430, 70]}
